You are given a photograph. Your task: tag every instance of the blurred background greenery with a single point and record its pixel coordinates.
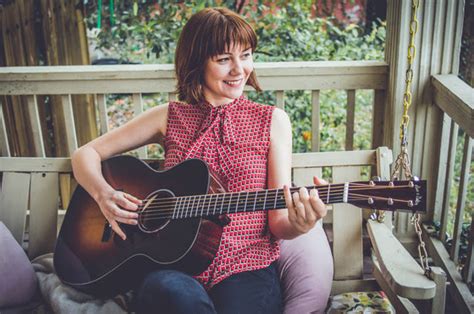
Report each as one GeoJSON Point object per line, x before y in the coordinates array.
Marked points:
{"type": "Point", "coordinates": [144, 31]}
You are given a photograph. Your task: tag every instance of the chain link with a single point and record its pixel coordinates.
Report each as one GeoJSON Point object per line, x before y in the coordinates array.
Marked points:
{"type": "Point", "coordinates": [407, 97]}
{"type": "Point", "coordinates": [402, 163]}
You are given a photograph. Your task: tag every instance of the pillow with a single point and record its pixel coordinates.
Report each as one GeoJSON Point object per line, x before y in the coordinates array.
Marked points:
{"type": "Point", "coordinates": [306, 271]}
{"type": "Point", "coordinates": [18, 281]}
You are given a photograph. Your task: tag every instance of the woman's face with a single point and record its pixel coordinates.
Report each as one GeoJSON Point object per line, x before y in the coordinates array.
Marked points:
{"type": "Point", "coordinates": [225, 75]}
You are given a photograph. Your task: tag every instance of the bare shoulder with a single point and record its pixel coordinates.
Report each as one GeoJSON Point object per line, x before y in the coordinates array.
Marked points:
{"type": "Point", "coordinates": [160, 115]}
{"type": "Point", "coordinates": [281, 125]}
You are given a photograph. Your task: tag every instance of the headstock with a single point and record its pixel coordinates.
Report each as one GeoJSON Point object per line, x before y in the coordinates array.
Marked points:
{"type": "Point", "coordinates": [389, 195]}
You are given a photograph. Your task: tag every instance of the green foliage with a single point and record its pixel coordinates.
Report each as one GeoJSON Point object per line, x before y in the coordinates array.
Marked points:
{"type": "Point", "coordinates": [286, 32]}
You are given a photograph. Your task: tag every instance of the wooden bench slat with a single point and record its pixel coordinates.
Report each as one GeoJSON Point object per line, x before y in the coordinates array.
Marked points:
{"type": "Point", "coordinates": [334, 159]}
{"type": "Point", "coordinates": [315, 125]}
{"type": "Point", "coordinates": [34, 120]}
{"type": "Point", "coordinates": [347, 220]}
{"type": "Point", "coordinates": [4, 147]}
{"type": "Point", "coordinates": [43, 213]}
{"type": "Point", "coordinates": [102, 107]}
{"type": "Point", "coordinates": [14, 202]}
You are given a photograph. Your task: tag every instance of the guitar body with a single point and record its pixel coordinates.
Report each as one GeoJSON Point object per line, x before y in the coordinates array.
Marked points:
{"type": "Point", "coordinates": [171, 233]}
{"type": "Point", "coordinates": [90, 257]}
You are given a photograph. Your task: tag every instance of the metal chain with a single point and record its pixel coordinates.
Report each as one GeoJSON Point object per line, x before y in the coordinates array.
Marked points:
{"type": "Point", "coordinates": [402, 163]}
{"type": "Point", "coordinates": [407, 96]}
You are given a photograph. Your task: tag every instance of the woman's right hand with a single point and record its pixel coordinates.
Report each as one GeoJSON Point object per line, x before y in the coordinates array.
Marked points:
{"type": "Point", "coordinates": [118, 206]}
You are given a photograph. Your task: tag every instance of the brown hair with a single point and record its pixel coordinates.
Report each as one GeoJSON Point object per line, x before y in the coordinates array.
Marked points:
{"type": "Point", "coordinates": [209, 33]}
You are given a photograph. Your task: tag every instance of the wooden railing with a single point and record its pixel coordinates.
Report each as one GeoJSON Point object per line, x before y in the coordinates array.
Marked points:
{"type": "Point", "coordinates": [67, 81]}
{"type": "Point", "coordinates": [456, 100]}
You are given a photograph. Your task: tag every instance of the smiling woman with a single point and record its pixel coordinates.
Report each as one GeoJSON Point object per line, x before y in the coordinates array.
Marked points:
{"type": "Point", "coordinates": [247, 147]}
{"type": "Point", "coordinates": [215, 48]}
{"type": "Point", "coordinates": [225, 75]}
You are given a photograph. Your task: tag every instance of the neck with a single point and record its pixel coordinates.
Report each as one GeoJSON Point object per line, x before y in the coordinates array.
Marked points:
{"type": "Point", "coordinates": [229, 203]}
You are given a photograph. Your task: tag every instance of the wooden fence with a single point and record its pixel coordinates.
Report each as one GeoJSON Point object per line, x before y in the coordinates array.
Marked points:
{"type": "Point", "coordinates": [44, 32]}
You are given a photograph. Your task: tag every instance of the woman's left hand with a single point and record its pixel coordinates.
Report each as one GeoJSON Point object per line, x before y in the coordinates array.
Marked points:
{"type": "Point", "coordinates": [305, 209]}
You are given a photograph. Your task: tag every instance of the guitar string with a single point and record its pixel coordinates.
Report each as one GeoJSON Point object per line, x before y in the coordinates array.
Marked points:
{"type": "Point", "coordinates": [226, 199]}
{"type": "Point", "coordinates": [229, 209]}
{"type": "Point", "coordinates": [320, 188]}
{"type": "Point", "coordinates": [191, 215]}
{"type": "Point", "coordinates": [166, 201]}
{"type": "Point", "coordinates": [225, 202]}
{"type": "Point", "coordinates": [195, 212]}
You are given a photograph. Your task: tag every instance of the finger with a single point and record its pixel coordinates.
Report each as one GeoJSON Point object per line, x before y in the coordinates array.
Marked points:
{"type": "Point", "coordinates": [288, 199]}
{"type": "Point", "coordinates": [127, 221]}
{"type": "Point", "coordinates": [132, 198]}
{"type": "Point", "coordinates": [319, 181]}
{"type": "Point", "coordinates": [289, 203]}
{"type": "Point", "coordinates": [317, 204]}
{"type": "Point", "coordinates": [310, 215]}
{"type": "Point", "coordinates": [117, 229]}
{"type": "Point", "coordinates": [299, 207]}
{"type": "Point", "coordinates": [118, 212]}
{"type": "Point", "coordinates": [121, 200]}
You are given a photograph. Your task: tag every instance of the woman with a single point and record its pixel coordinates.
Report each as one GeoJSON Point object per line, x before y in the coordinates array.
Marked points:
{"type": "Point", "coordinates": [247, 145]}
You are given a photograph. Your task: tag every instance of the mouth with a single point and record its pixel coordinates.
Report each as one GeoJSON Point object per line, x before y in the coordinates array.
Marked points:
{"type": "Point", "coordinates": [233, 82]}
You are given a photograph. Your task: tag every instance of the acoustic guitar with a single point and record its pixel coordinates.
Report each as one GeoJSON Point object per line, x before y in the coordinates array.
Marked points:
{"type": "Point", "coordinates": [180, 221]}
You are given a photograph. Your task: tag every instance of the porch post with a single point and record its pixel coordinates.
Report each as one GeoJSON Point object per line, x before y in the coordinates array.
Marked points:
{"type": "Point", "coordinates": [437, 52]}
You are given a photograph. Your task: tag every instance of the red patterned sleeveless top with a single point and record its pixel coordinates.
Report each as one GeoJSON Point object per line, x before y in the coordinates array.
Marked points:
{"type": "Point", "coordinates": [234, 140]}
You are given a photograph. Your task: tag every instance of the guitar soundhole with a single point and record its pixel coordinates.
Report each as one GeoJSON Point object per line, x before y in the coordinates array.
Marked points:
{"type": "Point", "coordinates": [156, 212]}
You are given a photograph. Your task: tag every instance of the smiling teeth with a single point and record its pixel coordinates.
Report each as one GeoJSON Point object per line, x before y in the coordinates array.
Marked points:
{"type": "Point", "coordinates": [232, 82]}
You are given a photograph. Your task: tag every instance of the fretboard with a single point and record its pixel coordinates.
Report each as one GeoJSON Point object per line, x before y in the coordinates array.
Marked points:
{"type": "Point", "coordinates": [229, 203]}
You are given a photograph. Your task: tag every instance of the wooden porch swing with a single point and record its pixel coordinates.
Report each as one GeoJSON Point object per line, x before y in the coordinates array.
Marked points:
{"type": "Point", "coordinates": [31, 186]}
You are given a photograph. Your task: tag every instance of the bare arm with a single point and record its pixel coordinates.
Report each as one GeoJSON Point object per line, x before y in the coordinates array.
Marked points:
{"type": "Point", "coordinates": [147, 128]}
{"type": "Point", "coordinates": [304, 208]}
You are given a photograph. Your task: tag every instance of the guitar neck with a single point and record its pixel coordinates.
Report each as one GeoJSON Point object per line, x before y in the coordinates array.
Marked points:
{"type": "Point", "coordinates": [231, 203]}
{"type": "Point", "coordinates": [405, 195]}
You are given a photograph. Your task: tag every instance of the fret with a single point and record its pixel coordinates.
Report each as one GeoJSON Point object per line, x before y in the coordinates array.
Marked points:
{"type": "Point", "coordinates": [176, 206]}
{"type": "Point", "coordinates": [209, 204]}
{"type": "Point", "coordinates": [197, 205]}
{"type": "Point", "coordinates": [185, 210]}
{"type": "Point", "coordinates": [255, 202]}
{"type": "Point", "coordinates": [276, 197]}
{"type": "Point", "coordinates": [237, 203]}
{"type": "Point", "coordinates": [181, 204]}
{"type": "Point", "coordinates": [246, 198]}
{"type": "Point", "coordinates": [346, 192]}
{"type": "Point", "coordinates": [230, 200]}
{"type": "Point", "coordinates": [222, 205]}
{"type": "Point", "coordinates": [203, 205]}
{"type": "Point", "coordinates": [215, 204]}
{"type": "Point", "coordinates": [265, 199]}
{"type": "Point", "coordinates": [329, 192]}
{"type": "Point", "coordinates": [190, 207]}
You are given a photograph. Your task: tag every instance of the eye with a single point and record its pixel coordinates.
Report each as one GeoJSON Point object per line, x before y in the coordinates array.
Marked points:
{"type": "Point", "coordinates": [222, 60]}
{"type": "Point", "coordinates": [247, 55]}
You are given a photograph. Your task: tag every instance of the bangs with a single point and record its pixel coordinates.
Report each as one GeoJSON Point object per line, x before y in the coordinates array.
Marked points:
{"type": "Point", "coordinates": [227, 32]}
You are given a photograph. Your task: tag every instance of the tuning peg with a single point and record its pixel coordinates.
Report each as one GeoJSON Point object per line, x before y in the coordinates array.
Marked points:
{"type": "Point", "coordinates": [376, 178]}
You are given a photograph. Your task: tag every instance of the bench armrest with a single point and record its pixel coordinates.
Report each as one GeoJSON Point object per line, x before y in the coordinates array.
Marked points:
{"type": "Point", "coordinates": [398, 268]}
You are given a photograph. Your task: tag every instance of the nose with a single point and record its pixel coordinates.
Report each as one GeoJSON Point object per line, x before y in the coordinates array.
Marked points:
{"type": "Point", "coordinates": [237, 68]}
